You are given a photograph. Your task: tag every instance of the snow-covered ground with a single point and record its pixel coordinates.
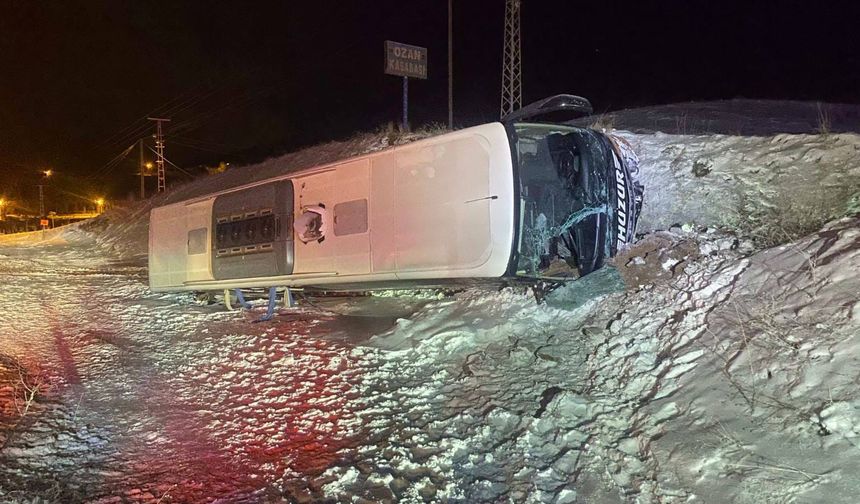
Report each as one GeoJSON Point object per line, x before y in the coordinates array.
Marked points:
{"type": "Point", "coordinates": [740, 116]}
{"type": "Point", "coordinates": [716, 362]}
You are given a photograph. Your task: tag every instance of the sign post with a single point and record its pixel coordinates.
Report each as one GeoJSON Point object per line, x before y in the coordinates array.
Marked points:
{"type": "Point", "coordinates": [405, 61]}
{"type": "Point", "coordinates": [405, 103]}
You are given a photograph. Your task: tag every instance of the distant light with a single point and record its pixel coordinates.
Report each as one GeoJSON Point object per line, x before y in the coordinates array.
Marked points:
{"type": "Point", "coordinates": [149, 165]}
{"type": "Point", "coordinates": [48, 173]}
{"type": "Point", "coordinates": [99, 201]}
{"type": "Point", "coordinates": [2, 202]}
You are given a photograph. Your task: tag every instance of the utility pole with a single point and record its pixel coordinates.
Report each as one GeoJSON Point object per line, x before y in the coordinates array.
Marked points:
{"type": "Point", "coordinates": [141, 167]}
{"type": "Point", "coordinates": [405, 125]}
{"type": "Point", "coordinates": [512, 84]}
{"type": "Point", "coordinates": [159, 149]}
{"type": "Point", "coordinates": [450, 64]}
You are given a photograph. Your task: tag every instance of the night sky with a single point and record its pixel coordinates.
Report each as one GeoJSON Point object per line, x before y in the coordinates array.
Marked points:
{"type": "Point", "coordinates": [246, 80]}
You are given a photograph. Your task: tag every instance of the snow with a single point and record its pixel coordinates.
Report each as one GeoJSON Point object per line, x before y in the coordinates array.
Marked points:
{"type": "Point", "coordinates": [716, 361]}
{"type": "Point", "coordinates": [739, 117]}
{"type": "Point", "coordinates": [762, 186]}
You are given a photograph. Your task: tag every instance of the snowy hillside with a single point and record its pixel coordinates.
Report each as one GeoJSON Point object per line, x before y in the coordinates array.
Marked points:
{"type": "Point", "coordinates": [772, 189]}
{"type": "Point", "coordinates": [740, 117]}
{"type": "Point", "coordinates": [716, 361]}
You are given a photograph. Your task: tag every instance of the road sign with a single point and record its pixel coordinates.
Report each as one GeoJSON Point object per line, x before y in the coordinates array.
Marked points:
{"type": "Point", "coordinates": [44, 223]}
{"type": "Point", "coordinates": [405, 60]}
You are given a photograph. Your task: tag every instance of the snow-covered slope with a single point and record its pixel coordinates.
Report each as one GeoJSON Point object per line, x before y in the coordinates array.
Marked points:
{"type": "Point", "coordinates": [771, 188]}
{"type": "Point", "coordinates": [740, 116]}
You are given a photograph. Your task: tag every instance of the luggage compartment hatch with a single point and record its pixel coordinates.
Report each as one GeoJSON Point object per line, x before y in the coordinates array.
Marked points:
{"type": "Point", "coordinates": [252, 234]}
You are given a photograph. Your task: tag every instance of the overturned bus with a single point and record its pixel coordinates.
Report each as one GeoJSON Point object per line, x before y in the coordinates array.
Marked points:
{"type": "Point", "coordinates": [519, 199]}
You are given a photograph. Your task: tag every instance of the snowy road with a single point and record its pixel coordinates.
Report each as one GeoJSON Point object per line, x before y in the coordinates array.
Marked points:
{"type": "Point", "coordinates": [149, 395]}
{"type": "Point", "coordinates": [120, 418]}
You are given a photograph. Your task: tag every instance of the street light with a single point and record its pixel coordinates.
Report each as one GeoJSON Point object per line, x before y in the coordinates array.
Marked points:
{"type": "Point", "coordinates": [47, 174]}
{"type": "Point", "coordinates": [100, 202]}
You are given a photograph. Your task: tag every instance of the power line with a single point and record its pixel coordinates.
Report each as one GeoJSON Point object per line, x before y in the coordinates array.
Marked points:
{"type": "Point", "coordinates": [174, 141]}
{"type": "Point", "coordinates": [171, 163]}
{"type": "Point", "coordinates": [136, 127]}
{"type": "Point", "coordinates": [107, 167]}
{"type": "Point", "coordinates": [177, 106]}
{"type": "Point", "coordinates": [134, 132]}
{"type": "Point", "coordinates": [205, 143]}
{"type": "Point", "coordinates": [195, 121]}
{"type": "Point", "coordinates": [225, 99]}
{"type": "Point", "coordinates": [84, 198]}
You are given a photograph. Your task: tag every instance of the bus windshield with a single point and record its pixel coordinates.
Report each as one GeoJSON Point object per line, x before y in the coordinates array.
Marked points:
{"type": "Point", "coordinates": [563, 200]}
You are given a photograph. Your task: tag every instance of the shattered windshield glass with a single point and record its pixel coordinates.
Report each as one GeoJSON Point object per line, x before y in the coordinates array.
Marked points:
{"type": "Point", "coordinates": [563, 191]}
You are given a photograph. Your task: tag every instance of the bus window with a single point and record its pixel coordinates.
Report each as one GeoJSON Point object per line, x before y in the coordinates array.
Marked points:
{"type": "Point", "coordinates": [564, 200]}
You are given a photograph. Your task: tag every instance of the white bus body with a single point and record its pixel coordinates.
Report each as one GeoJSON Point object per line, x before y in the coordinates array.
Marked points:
{"type": "Point", "coordinates": [496, 201]}
{"type": "Point", "coordinates": [439, 208]}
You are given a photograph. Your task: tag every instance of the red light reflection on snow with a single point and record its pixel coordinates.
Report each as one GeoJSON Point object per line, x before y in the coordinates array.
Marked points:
{"type": "Point", "coordinates": [277, 407]}
{"type": "Point", "coordinates": [277, 404]}
{"type": "Point", "coordinates": [296, 402]}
